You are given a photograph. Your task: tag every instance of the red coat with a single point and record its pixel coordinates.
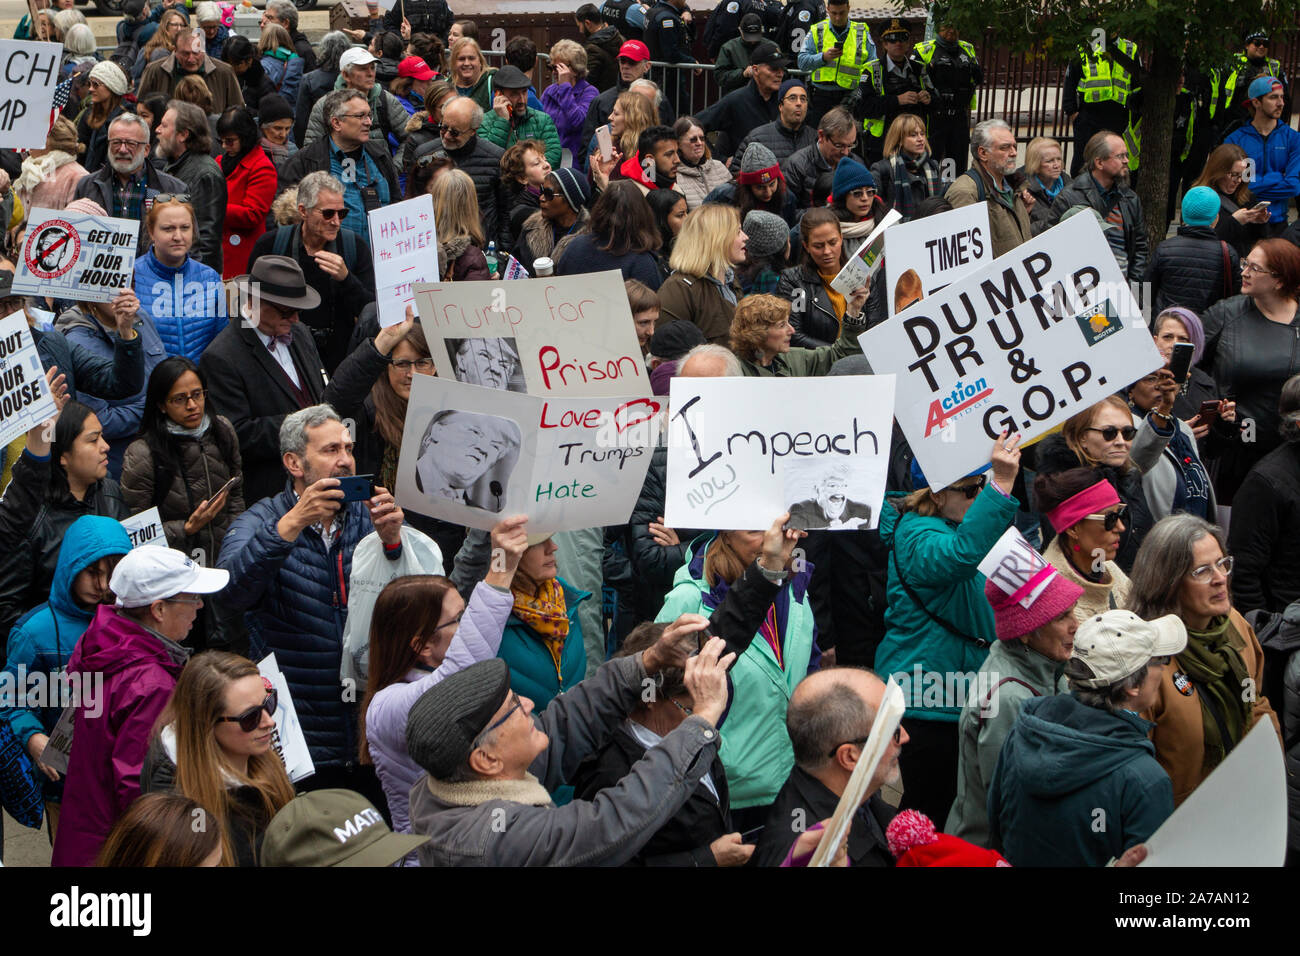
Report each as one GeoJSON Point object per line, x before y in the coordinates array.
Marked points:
{"type": "Point", "coordinates": [250, 188]}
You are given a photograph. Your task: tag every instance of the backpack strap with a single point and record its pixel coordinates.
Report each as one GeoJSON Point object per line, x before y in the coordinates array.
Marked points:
{"type": "Point", "coordinates": [283, 236]}
{"type": "Point", "coordinates": [988, 698]}
{"type": "Point", "coordinates": [348, 246]}
{"type": "Point", "coordinates": [942, 622]}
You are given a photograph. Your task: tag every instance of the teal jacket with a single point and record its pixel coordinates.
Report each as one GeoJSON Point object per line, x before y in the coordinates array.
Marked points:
{"type": "Point", "coordinates": [536, 125]}
{"type": "Point", "coordinates": [755, 748]}
{"type": "Point", "coordinates": [532, 671]}
{"type": "Point", "coordinates": [939, 561]}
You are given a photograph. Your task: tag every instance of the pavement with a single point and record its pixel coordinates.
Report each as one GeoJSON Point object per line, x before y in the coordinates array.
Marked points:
{"type": "Point", "coordinates": [24, 847]}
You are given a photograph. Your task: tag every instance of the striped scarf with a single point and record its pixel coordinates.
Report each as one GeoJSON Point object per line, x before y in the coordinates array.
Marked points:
{"type": "Point", "coordinates": [906, 172]}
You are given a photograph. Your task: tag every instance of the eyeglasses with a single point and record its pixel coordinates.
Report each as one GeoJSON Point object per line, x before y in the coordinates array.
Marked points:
{"type": "Point", "coordinates": [364, 117]}
{"type": "Point", "coordinates": [1205, 571]}
{"type": "Point", "coordinates": [844, 147]}
{"type": "Point", "coordinates": [973, 489]}
{"type": "Point", "coordinates": [420, 365]}
{"type": "Point", "coordinates": [172, 197]}
{"type": "Point", "coordinates": [131, 144]}
{"type": "Point", "coordinates": [1248, 266]}
{"type": "Point", "coordinates": [250, 719]}
{"type": "Point", "coordinates": [495, 724]}
{"type": "Point", "coordinates": [694, 139]}
{"type": "Point", "coordinates": [898, 739]}
{"type": "Point", "coordinates": [862, 192]}
{"type": "Point", "coordinates": [180, 401]}
{"type": "Point", "coordinates": [548, 193]}
{"type": "Point", "coordinates": [331, 213]}
{"type": "Point", "coordinates": [1110, 518]}
{"type": "Point", "coordinates": [455, 620]}
{"type": "Point", "coordinates": [1109, 432]}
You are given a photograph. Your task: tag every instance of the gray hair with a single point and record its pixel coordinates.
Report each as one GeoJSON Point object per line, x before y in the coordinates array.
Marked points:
{"type": "Point", "coordinates": [1110, 698]}
{"type": "Point", "coordinates": [65, 19]}
{"type": "Point", "coordinates": [135, 120]}
{"type": "Point", "coordinates": [645, 83]}
{"type": "Point", "coordinates": [286, 11]}
{"type": "Point", "coordinates": [79, 40]}
{"type": "Point", "coordinates": [836, 122]}
{"type": "Point", "coordinates": [191, 119]}
{"type": "Point", "coordinates": [1162, 562]}
{"type": "Point", "coordinates": [293, 431]}
{"type": "Point", "coordinates": [207, 12]}
{"type": "Point", "coordinates": [332, 46]}
{"type": "Point", "coordinates": [475, 114]}
{"type": "Point", "coordinates": [313, 184]}
{"type": "Point", "coordinates": [982, 135]}
{"type": "Point", "coordinates": [817, 723]}
{"type": "Point", "coordinates": [336, 103]}
{"type": "Point", "coordinates": [730, 362]}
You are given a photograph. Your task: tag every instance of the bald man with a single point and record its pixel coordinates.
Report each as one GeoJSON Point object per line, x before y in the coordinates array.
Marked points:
{"type": "Point", "coordinates": [829, 719]}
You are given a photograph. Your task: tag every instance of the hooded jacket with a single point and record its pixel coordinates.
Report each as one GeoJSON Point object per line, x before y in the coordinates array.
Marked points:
{"type": "Point", "coordinates": [1075, 786]}
{"type": "Point", "coordinates": [602, 57]}
{"type": "Point", "coordinates": [696, 182]}
{"type": "Point", "coordinates": [187, 304]}
{"type": "Point", "coordinates": [139, 674]}
{"type": "Point", "coordinates": [387, 112]}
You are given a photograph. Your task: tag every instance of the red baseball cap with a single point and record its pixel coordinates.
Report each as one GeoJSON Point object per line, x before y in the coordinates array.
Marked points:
{"type": "Point", "coordinates": [634, 50]}
{"type": "Point", "coordinates": [416, 69]}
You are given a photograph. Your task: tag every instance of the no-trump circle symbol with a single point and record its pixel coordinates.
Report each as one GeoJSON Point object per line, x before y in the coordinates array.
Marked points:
{"type": "Point", "coordinates": [52, 250]}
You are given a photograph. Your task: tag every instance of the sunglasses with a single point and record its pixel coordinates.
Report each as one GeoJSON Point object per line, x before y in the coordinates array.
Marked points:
{"type": "Point", "coordinates": [250, 719]}
{"type": "Point", "coordinates": [331, 213]}
{"type": "Point", "coordinates": [1111, 518]}
{"type": "Point", "coordinates": [428, 159]}
{"type": "Point", "coordinates": [971, 490]}
{"type": "Point", "coordinates": [444, 131]}
{"type": "Point", "coordinates": [1109, 432]}
{"type": "Point", "coordinates": [548, 193]}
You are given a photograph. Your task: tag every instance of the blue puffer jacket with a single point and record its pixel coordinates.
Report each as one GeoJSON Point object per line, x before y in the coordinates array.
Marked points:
{"type": "Point", "coordinates": [294, 594]}
{"type": "Point", "coordinates": [43, 639]}
{"type": "Point", "coordinates": [187, 305]}
{"type": "Point", "coordinates": [532, 671]}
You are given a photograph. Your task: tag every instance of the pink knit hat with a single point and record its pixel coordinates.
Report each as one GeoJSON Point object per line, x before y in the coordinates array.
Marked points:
{"type": "Point", "coordinates": [1013, 620]}
{"type": "Point", "coordinates": [88, 206]}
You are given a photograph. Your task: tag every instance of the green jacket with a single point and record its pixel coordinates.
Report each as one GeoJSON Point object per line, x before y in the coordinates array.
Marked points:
{"type": "Point", "coordinates": [536, 125]}
{"type": "Point", "coordinates": [801, 363]}
{"type": "Point", "coordinates": [729, 67]}
{"type": "Point", "coordinates": [940, 563]}
{"type": "Point", "coordinates": [991, 709]}
{"type": "Point", "coordinates": [755, 749]}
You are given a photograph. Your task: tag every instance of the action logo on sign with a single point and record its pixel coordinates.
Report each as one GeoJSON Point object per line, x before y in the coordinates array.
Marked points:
{"type": "Point", "coordinates": [1098, 322]}
{"type": "Point", "coordinates": [52, 250]}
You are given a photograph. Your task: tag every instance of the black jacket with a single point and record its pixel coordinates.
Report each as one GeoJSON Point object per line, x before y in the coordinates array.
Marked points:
{"type": "Point", "coordinates": [99, 186]}
{"type": "Point", "coordinates": [801, 171]}
{"type": "Point", "coordinates": [206, 185]}
{"type": "Point", "coordinates": [314, 85]}
{"type": "Point", "coordinates": [1264, 535]}
{"type": "Point", "coordinates": [779, 138]}
{"type": "Point", "coordinates": [737, 114]}
{"type": "Point", "coordinates": [602, 57]}
{"type": "Point", "coordinates": [316, 157]}
{"type": "Point", "coordinates": [119, 377]}
{"type": "Point", "coordinates": [1194, 269]}
{"type": "Point", "coordinates": [1040, 216]}
{"type": "Point", "coordinates": [418, 132]}
{"type": "Point", "coordinates": [1083, 191]}
{"type": "Point", "coordinates": [425, 16]}
{"type": "Point", "coordinates": [805, 800]}
{"type": "Point", "coordinates": [480, 159]}
{"type": "Point", "coordinates": [816, 324]}
{"type": "Point", "coordinates": [249, 386]}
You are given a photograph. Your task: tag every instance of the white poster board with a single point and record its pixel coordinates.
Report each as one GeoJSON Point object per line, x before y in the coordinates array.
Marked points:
{"type": "Point", "coordinates": [405, 245]}
{"type": "Point", "coordinates": [1016, 568]}
{"type": "Point", "coordinates": [558, 335]}
{"type": "Point", "coordinates": [25, 399]}
{"type": "Point", "coordinates": [743, 450]}
{"type": "Point", "coordinates": [289, 741]}
{"type": "Point", "coordinates": [31, 72]}
{"type": "Point", "coordinates": [74, 255]}
{"type": "Point", "coordinates": [145, 528]}
{"type": "Point", "coordinates": [930, 253]}
{"type": "Point", "coordinates": [866, 259]}
{"type": "Point", "coordinates": [474, 455]}
{"type": "Point", "coordinates": [1041, 333]}
{"type": "Point", "coordinates": [1236, 817]}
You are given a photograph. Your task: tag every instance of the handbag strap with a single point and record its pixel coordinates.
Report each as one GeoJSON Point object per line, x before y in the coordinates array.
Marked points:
{"type": "Point", "coordinates": [942, 622]}
{"type": "Point", "coordinates": [988, 698]}
{"type": "Point", "coordinates": [1227, 270]}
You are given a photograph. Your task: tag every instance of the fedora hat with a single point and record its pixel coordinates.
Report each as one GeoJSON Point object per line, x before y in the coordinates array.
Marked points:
{"type": "Point", "coordinates": [279, 279]}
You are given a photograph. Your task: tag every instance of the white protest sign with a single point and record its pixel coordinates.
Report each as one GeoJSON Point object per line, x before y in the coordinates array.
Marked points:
{"type": "Point", "coordinates": [1016, 568]}
{"type": "Point", "coordinates": [25, 399]}
{"type": "Point", "coordinates": [743, 450]}
{"type": "Point", "coordinates": [31, 72]}
{"type": "Point", "coordinates": [1236, 817]}
{"type": "Point", "coordinates": [58, 749]}
{"type": "Point", "coordinates": [474, 455]}
{"type": "Point", "coordinates": [74, 255]}
{"type": "Point", "coordinates": [930, 253]}
{"type": "Point", "coordinates": [1043, 332]}
{"type": "Point", "coordinates": [558, 335]}
{"type": "Point", "coordinates": [866, 259]}
{"type": "Point", "coordinates": [406, 252]}
{"type": "Point", "coordinates": [288, 739]}
{"type": "Point", "coordinates": [145, 528]}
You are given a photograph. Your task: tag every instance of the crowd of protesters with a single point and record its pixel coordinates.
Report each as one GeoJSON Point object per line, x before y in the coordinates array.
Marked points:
{"type": "Point", "coordinates": [498, 714]}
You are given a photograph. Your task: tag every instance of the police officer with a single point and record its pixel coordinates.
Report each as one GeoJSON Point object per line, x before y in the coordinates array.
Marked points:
{"type": "Point", "coordinates": [797, 19]}
{"type": "Point", "coordinates": [1228, 85]}
{"type": "Point", "coordinates": [627, 16]}
{"type": "Point", "coordinates": [894, 86]}
{"type": "Point", "coordinates": [669, 34]}
{"type": "Point", "coordinates": [951, 73]}
{"type": "Point", "coordinates": [1100, 89]}
{"type": "Point", "coordinates": [835, 52]}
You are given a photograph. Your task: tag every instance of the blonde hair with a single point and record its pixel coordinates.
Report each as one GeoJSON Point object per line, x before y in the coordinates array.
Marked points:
{"type": "Point", "coordinates": [1034, 153]}
{"type": "Point", "coordinates": [638, 116]}
{"type": "Point", "coordinates": [572, 53]}
{"type": "Point", "coordinates": [1074, 427]}
{"type": "Point", "coordinates": [285, 208]}
{"type": "Point", "coordinates": [904, 124]}
{"type": "Point", "coordinates": [703, 247]}
{"type": "Point", "coordinates": [160, 39]}
{"type": "Point", "coordinates": [755, 316]}
{"type": "Point", "coordinates": [192, 89]}
{"type": "Point", "coordinates": [273, 37]}
{"type": "Point", "coordinates": [455, 207]}
{"type": "Point", "coordinates": [460, 45]}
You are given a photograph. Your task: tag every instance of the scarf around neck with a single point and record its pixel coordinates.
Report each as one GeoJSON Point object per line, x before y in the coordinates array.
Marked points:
{"type": "Point", "coordinates": [547, 614]}
{"type": "Point", "coordinates": [1213, 662]}
{"type": "Point", "coordinates": [906, 171]}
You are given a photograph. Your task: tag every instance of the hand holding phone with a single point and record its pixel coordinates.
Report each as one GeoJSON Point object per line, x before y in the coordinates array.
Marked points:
{"type": "Point", "coordinates": [1209, 411]}
{"type": "Point", "coordinates": [357, 487]}
{"type": "Point", "coordinates": [227, 486]}
{"type": "Point", "coordinates": [1180, 363]}
{"type": "Point", "coordinates": [606, 142]}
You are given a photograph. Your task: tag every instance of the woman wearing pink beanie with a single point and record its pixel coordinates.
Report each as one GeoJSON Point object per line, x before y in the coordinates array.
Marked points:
{"type": "Point", "coordinates": [1033, 609]}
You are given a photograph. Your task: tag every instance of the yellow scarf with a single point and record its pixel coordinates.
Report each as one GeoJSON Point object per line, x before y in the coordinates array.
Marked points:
{"type": "Point", "coordinates": [838, 302]}
{"type": "Point", "coordinates": [545, 613]}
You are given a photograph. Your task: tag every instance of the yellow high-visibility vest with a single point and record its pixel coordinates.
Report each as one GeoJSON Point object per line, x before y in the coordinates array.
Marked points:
{"type": "Point", "coordinates": [1103, 79]}
{"type": "Point", "coordinates": [847, 70]}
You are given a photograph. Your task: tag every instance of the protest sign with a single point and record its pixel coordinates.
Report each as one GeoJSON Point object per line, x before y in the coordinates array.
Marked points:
{"type": "Point", "coordinates": [31, 72]}
{"type": "Point", "coordinates": [473, 456]}
{"type": "Point", "coordinates": [289, 741]}
{"type": "Point", "coordinates": [58, 749]}
{"type": "Point", "coordinates": [558, 335]}
{"type": "Point", "coordinates": [75, 255]}
{"type": "Point", "coordinates": [145, 528]}
{"type": "Point", "coordinates": [1224, 823]}
{"type": "Point", "coordinates": [743, 450]}
{"type": "Point", "coordinates": [864, 262]}
{"type": "Point", "coordinates": [25, 399]}
{"type": "Point", "coordinates": [930, 253]}
{"type": "Point", "coordinates": [513, 269]}
{"type": "Point", "coordinates": [406, 252]}
{"type": "Point", "coordinates": [1022, 344]}
{"type": "Point", "coordinates": [1016, 568]}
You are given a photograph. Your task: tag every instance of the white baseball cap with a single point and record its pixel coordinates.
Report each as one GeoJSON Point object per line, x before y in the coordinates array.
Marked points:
{"type": "Point", "coordinates": [1117, 644]}
{"type": "Point", "coordinates": [356, 56]}
{"type": "Point", "coordinates": [149, 574]}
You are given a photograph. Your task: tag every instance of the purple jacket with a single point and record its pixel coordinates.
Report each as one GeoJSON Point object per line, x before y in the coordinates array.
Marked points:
{"type": "Point", "coordinates": [567, 105]}
{"type": "Point", "coordinates": [112, 729]}
{"type": "Point", "coordinates": [477, 639]}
